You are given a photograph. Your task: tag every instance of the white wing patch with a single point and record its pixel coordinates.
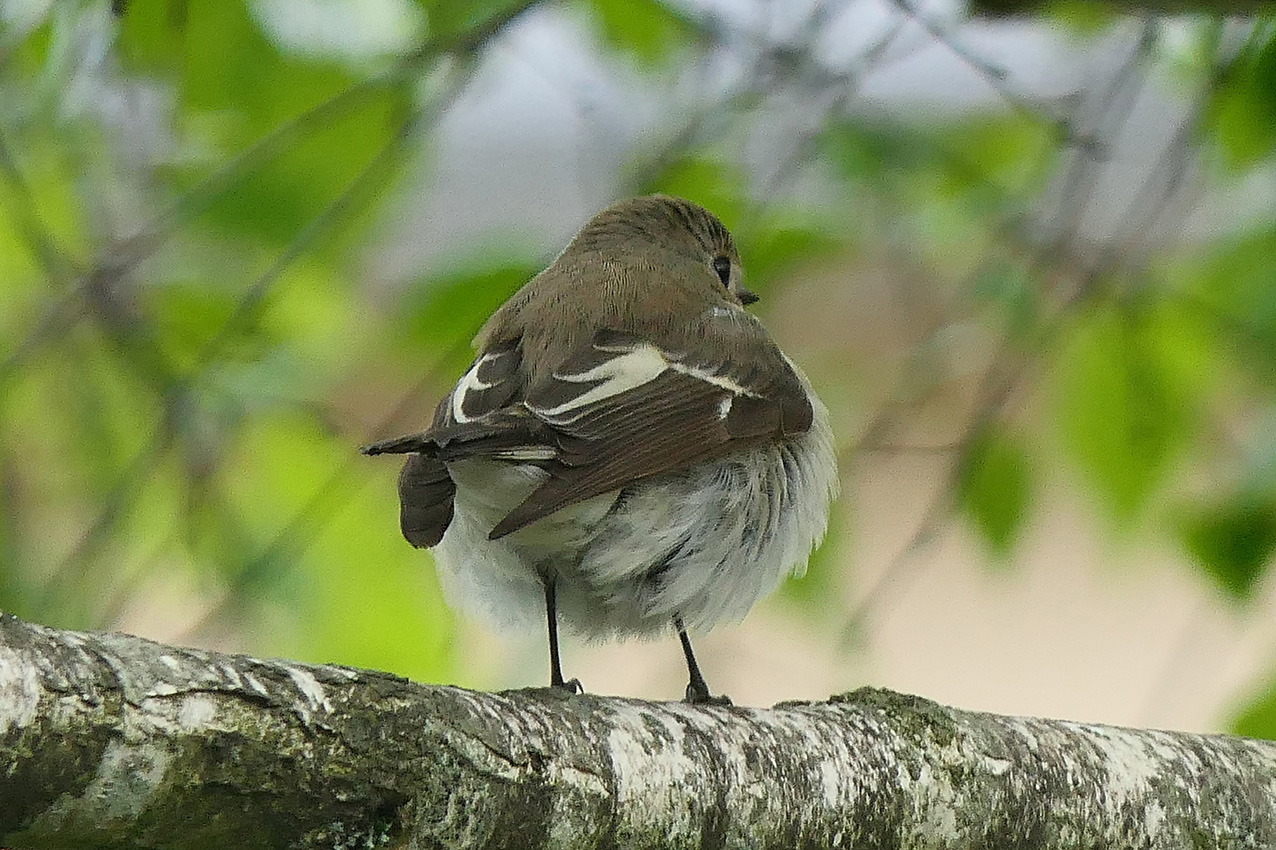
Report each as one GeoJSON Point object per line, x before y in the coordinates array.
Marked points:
{"type": "Point", "coordinates": [710, 378]}
{"type": "Point", "coordinates": [632, 367]}
{"type": "Point", "coordinates": [620, 374]}
{"type": "Point", "coordinates": [470, 382]}
{"type": "Point", "coordinates": [527, 454]}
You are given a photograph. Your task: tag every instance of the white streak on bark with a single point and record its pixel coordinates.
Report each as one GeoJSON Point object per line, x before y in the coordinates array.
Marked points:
{"type": "Point", "coordinates": [19, 691]}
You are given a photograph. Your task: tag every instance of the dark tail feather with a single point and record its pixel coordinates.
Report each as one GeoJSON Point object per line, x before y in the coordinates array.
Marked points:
{"type": "Point", "coordinates": [425, 496]}
{"type": "Point", "coordinates": [401, 445]}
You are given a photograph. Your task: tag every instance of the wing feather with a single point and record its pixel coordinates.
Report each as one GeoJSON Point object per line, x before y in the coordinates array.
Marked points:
{"type": "Point", "coordinates": [618, 410]}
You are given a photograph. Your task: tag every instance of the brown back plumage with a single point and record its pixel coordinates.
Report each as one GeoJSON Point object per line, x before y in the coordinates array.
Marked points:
{"type": "Point", "coordinates": [628, 357]}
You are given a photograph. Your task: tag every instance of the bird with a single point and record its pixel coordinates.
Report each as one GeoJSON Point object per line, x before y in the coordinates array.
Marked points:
{"type": "Point", "coordinates": [630, 452]}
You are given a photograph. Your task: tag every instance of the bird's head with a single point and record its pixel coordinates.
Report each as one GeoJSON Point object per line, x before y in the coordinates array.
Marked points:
{"type": "Point", "coordinates": [673, 228]}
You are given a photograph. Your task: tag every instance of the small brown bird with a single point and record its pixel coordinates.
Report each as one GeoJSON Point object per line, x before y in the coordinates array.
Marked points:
{"type": "Point", "coordinates": [630, 450]}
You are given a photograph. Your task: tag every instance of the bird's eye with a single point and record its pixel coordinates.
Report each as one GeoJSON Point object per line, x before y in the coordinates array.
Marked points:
{"type": "Point", "coordinates": [722, 265]}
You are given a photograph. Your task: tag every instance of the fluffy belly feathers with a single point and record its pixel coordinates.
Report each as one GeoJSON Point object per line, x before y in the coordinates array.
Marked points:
{"type": "Point", "coordinates": [704, 544]}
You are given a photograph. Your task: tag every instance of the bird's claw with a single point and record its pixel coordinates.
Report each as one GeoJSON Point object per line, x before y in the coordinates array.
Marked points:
{"type": "Point", "coordinates": [572, 686]}
{"type": "Point", "coordinates": [701, 696]}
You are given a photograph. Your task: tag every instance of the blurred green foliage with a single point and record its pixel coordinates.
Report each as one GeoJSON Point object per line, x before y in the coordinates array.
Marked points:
{"type": "Point", "coordinates": [1244, 105]}
{"type": "Point", "coordinates": [1233, 541]}
{"type": "Point", "coordinates": [1123, 417]}
{"type": "Point", "coordinates": [1258, 720]}
{"type": "Point", "coordinates": [234, 87]}
{"type": "Point", "coordinates": [995, 488]}
{"type": "Point", "coordinates": [188, 357]}
{"type": "Point", "coordinates": [650, 31]}
{"type": "Point", "coordinates": [169, 416]}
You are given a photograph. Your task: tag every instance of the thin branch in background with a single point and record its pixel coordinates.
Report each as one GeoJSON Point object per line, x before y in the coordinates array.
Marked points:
{"type": "Point", "coordinates": [1101, 119]}
{"type": "Point", "coordinates": [296, 534]}
{"type": "Point", "coordinates": [751, 92]}
{"type": "Point", "coordinates": [119, 596]}
{"type": "Point", "coordinates": [995, 76]}
{"type": "Point", "coordinates": [301, 529]}
{"type": "Point", "coordinates": [191, 203]}
{"type": "Point", "coordinates": [998, 384]}
{"type": "Point", "coordinates": [1163, 196]}
{"type": "Point", "coordinates": [61, 314]}
{"type": "Point", "coordinates": [59, 317]}
{"type": "Point", "coordinates": [1155, 195]}
{"type": "Point", "coordinates": [122, 495]}
{"type": "Point", "coordinates": [1162, 690]}
{"type": "Point", "coordinates": [1002, 378]}
{"type": "Point", "coordinates": [1011, 231]}
{"type": "Point", "coordinates": [123, 256]}
{"type": "Point", "coordinates": [72, 570]}
{"type": "Point", "coordinates": [57, 263]}
{"type": "Point", "coordinates": [1166, 196]}
{"type": "Point", "coordinates": [838, 92]}
{"type": "Point", "coordinates": [907, 449]}
{"type": "Point", "coordinates": [129, 487]}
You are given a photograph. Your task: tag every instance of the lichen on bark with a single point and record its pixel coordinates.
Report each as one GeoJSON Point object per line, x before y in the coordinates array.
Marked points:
{"type": "Point", "coordinates": [113, 741]}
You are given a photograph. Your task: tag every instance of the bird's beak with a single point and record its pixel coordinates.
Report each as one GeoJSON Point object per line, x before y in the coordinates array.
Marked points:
{"type": "Point", "coordinates": [746, 296]}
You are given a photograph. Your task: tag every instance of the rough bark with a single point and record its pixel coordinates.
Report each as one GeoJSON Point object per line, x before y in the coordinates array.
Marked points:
{"type": "Point", "coordinates": [108, 740]}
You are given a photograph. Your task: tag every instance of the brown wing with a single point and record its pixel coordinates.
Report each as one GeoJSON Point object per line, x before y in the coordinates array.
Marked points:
{"type": "Point", "coordinates": [426, 491]}
{"type": "Point", "coordinates": [624, 410]}
{"type": "Point", "coordinates": [619, 410]}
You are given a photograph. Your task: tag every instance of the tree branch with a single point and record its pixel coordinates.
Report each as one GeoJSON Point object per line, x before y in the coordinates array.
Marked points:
{"type": "Point", "coordinates": [1000, 8]}
{"type": "Point", "coordinates": [108, 740]}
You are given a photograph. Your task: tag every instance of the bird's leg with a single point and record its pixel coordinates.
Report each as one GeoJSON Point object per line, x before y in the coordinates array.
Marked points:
{"type": "Point", "coordinates": [555, 665]}
{"type": "Point", "coordinates": [697, 687]}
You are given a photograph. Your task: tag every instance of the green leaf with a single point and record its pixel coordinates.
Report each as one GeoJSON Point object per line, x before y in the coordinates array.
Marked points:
{"type": "Point", "coordinates": [987, 159]}
{"type": "Point", "coordinates": [51, 207]}
{"type": "Point", "coordinates": [1258, 719]}
{"type": "Point", "coordinates": [994, 488]}
{"type": "Point", "coordinates": [108, 412]}
{"type": "Point", "coordinates": [648, 30]}
{"type": "Point", "coordinates": [1231, 287]}
{"type": "Point", "coordinates": [1084, 18]}
{"type": "Point", "coordinates": [369, 598]}
{"type": "Point", "coordinates": [863, 152]}
{"type": "Point", "coordinates": [445, 309]}
{"type": "Point", "coordinates": [948, 184]}
{"type": "Point", "coordinates": [150, 35]}
{"type": "Point", "coordinates": [235, 87]}
{"type": "Point", "coordinates": [1123, 410]}
{"type": "Point", "coordinates": [346, 587]}
{"type": "Point", "coordinates": [1244, 109]}
{"type": "Point", "coordinates": [1232, 541]}
{"type": "Point", "coordinates": [1014, 290]}
{"type": "Point", "coordinates": [21, 283]}
{"type": "Point", "coordinates": [189, 313]}
{"type": "Point", "coordinates": [709, 181]}
{"type": "Point", "coordinates": [448, 19]}
{"type": "Point", "coordinates": [778, 243]}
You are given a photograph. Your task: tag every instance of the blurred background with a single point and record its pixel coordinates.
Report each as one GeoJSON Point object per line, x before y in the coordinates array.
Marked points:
{"type": "Point", "coordinates": [1026, 253]}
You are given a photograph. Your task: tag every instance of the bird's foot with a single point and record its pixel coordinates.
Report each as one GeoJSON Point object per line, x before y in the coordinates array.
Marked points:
{"type": "Point", "coordinates": [699, 695]}
{"type": "Point", "coordinates": [572, 686]}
